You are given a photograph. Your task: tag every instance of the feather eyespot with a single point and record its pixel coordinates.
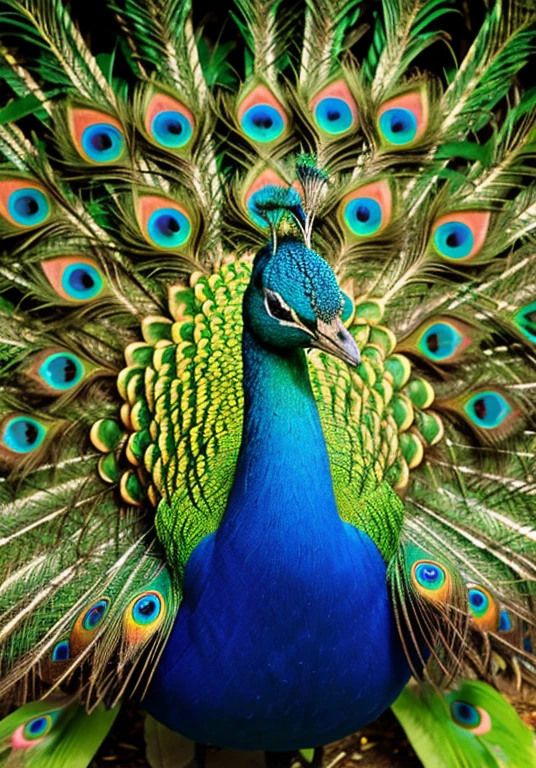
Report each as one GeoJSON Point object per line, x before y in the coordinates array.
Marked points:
{"type": "Point", "coordinates": [94, 615]}
{"type": "Point", "coordinates": [430, 575]}
{"type": "Point", "coordinates": [505, 621]}
{"type": "Point", "coordinates": [97, 137]}
{"type": "Point", "coordinates": [443, 339]}
{"type": "Point", "coordinates": [164, 223]}
{"type": "Point", "coordinates": [460, 236]}
{"type": "Point", "coordinates": [144, 616]}
{"type": "Point", "coordinates": [168, 122]}
{"type": "Point", "coordinates": [484, 609]}
{"type": "Point", "coordinates": [22, 434]}
{"type": "Point", "coordinates": [488, 409]}
{"type": "Point", "coordinates": [471, 718]}
{"type": "Point", "coordinates": [61, 370]}
{"type": "Point", "coordinates": [86, 624]}
{"type": "Point", "coordinates": [525, 319]}
{"type": "Point", "coordinates": [261, 116]}
{"type": "Point", "coordinates": [23, 203]}
{"type": "Point", "coordinates": [74, 278]}
{"type": "Point", "coordinates": [431, 580]}
{"type": "Point", "coordinates": [403, 119]}
{"type": "Point", "coordinates": [61, 651]}
{"type": "Point", "coordinates": [367, 211]}
{"type": "Point", "coordinates": [32, 733]}
{"type": "Point", "coordinates": [334, 109]}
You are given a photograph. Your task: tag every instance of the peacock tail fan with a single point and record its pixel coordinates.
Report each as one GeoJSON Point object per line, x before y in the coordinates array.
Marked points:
{"type": "Point", "coordinates": [134, 191]}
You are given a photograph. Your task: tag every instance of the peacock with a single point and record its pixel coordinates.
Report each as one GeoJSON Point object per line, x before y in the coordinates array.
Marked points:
{"type": "Point", "coordinates": [267, 343]}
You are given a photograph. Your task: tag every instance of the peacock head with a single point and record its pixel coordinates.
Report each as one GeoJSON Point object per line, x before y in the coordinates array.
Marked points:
{"type": "Point", "coordinates": [293, 301]}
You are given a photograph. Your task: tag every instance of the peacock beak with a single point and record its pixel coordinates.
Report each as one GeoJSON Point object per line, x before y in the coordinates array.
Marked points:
{"type": "Point", "coordinates": [335, 339]}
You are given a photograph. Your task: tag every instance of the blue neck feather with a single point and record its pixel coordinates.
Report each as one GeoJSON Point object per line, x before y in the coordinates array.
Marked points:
{"type": "Point", "coordinates": [283, 462]}
{"type": "Point", "coordinates": [285, 637]}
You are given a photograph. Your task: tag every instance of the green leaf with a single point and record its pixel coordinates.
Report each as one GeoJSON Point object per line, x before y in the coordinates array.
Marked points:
{"type": "Point", "coordinates": [165, 748]}
{"type": "Point", "coordinates": [19, 108]}
{"type": "Point", "coordinates": [106, 63]}
{"type": "Point", "coordinates": [468, 150]}
{"type": "Point", "coordinates": [307, 754]}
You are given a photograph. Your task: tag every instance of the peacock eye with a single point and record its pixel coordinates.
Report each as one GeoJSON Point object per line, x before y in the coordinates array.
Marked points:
{"type": "Point", "coordinates": [276, 308]}
{"type": "Point", "coordinates": [454, 240]}
{"type": "Point", "coordinates": [81, 281]}
{"type": "Point", "coordinates": [168, 122]}
{"type": "Point", "coordinates": [398, 126]}
{"type": "Point", "coordinates": [28, 206]}
{"type": "Point", "coordinates": [363, 216]}
{"type": "Point", "coordinates": [430, 575]}
{"type": "Point", "coordinates": [23, 203]}
{"type": "Point", "coordinates": [97, 136]}
{"type": "Point", "coordinates": [366, 211]}
{"type": "Point", "coordinates": [102, 143]}
{"type": "Point", "coordinates": [144, 616]}
{"type": "Point", "coordinates": [478, 601]}
{"type": "Point", "coordinates": [465, 715]}
{"type": "Point", "coordinates": [23, 434]}
{"type": "Point", "coordinates": [525, 320]}
{"type": "Point", "coordinates": [171, 129]}
{"type": "Point", "coordinates": [61, 651]}
{"type": "Point", "coordinates": [488, 409]}
{"type": "Point", "coordinates": [403, 119]}
{"type": "Point", "coordinates": [147, 608]}
{"type": "Point", "coordinates": [61, 370]}
{"type": "Point", "coordinates": [261, 116]}
{"type": "Point", "coordinates": [505, 621]}
{"type": "Point", "coordinates": [263, 123]}
{"type": "Point", "coordinates": [74, 278]}
{"type": "Point", "coordinates": [32, 732]}
{"type": "Point", "coordinates": [334, 109]}
{"type": "Point", "coordinates": [440, 341]}
{"type": "Point", "coordinates": [94, 615]}
{"type": "Point", "coordinates": [164, 224]}
{"type": "Point", "coordinates": [168, 228]}
{"type": "Point", "coordinates": [460, 235]}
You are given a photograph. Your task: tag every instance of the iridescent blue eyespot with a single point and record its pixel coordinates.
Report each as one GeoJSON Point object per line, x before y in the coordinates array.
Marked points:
{"type": "Point", "coordinates": [168, 228]}
{"type": "Point", "coordinates": [61, 370]}
{"type": "Point", "coordinates": [81, 281]}
{"type": "Point", "coordinates": [454, 240]}
{"type": "Point", "coordinates": [488, 409]}
{"type": "Point", "coordinates": [147, 609]}
{"type": "Point", "coordinates": [23, 434]}
{"type": "Point", "coordinates": [440, 341]}
{"type": "Point", "coordinates": [333, 115]}
{"type": "Point", "coordinates": [505, 622]}
{"type": "Point", "coordinates": [398, 126]}
{"type": "Point", "coordinates": [363, 215]}
{"type": "Point", "coordinates": [465, 715]}
{"type": "Point", "coordinates": [478, 601]}
{"type": "Point", "coordinates": [102, 142]}
{"type": "Point", "coordinates": [38, 727]}
{"type": "Point", "coordinates": [171, 129]}
{"type": "Point", "coordinates": [61, 651]}
{"type": "Point", "coordinates": [430, 575]}
{"type": "Point", "coordinates": [262, 123]}
{"type": "Point", "coordinates": [95, 615]}
{"type": "Point", "coordinates": [28, 206]}
{"type": "Point", "coordinates": [525, 320]}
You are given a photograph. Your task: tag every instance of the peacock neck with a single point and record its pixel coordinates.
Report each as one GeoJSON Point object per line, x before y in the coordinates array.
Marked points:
{"type": "Point", "coordinates": [282, 474]}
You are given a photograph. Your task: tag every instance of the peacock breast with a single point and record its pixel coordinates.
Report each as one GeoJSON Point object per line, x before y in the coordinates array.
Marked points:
{"type": "Point", "coordinates": [280, 647]}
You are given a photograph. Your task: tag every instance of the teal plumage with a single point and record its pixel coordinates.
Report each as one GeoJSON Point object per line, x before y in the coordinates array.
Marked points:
{"type": "Point", "coordinates": [267, 345]}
